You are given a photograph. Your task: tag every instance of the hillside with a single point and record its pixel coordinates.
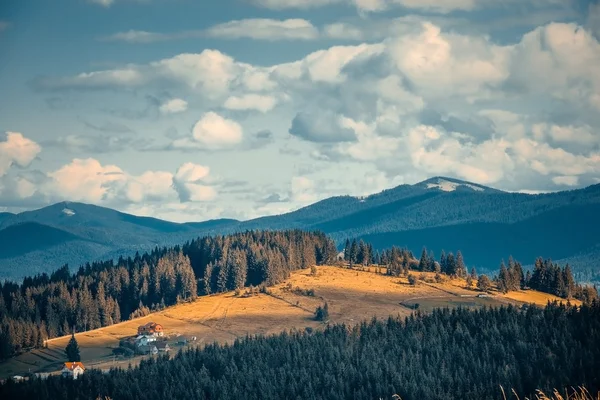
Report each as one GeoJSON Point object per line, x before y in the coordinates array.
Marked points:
{"type": "Point", "coordinates": [75, 233]}
{"type": "Point", "coordinates": [487, 224]}
{"type": "Point", "coordinates": [352, 296]}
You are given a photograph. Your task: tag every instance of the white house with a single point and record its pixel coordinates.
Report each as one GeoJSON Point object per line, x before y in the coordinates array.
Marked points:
{"type": "Point", "coordinates": [144, 340]}
{"type": "Point", "coordinates": [73, 369]}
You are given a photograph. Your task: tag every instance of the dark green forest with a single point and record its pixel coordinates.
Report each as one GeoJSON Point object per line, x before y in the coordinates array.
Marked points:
{"type": "Point", "coordinates": [104, 293]}
{"type": "Point", "coordinates": [457, 354]}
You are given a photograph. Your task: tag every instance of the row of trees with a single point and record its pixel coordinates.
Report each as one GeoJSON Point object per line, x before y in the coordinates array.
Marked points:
{"type": "Point", "coordinates": [449, 354]}
{"type": "Point", "coordinates": [547, 277]}
{"type": "Point", "coordinates": [104, 293]}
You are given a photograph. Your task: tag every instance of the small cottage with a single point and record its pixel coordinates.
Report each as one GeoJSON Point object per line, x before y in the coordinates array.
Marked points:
{"type": "Point", "coordinates": [163, 347]}
{"type": "Point", "coordinates": [147, 349]}
{"type": "Point", "coordinates": [73, 369]}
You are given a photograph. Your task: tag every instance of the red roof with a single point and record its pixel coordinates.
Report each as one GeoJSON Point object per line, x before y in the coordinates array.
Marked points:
{"type": "Point", "coordinates": [73, 365]}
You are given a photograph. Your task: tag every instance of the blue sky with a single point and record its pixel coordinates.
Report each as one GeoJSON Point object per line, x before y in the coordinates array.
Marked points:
{"type": "Point", "coordinates": [190, 110]}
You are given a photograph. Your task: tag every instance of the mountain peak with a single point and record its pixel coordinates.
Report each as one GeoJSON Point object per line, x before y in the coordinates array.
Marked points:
{"type": "Point", "coordinates": [446, 184]}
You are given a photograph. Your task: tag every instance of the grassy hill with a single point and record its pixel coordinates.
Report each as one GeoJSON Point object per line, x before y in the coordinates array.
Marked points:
{"type": "Point", "coordinates": [352, 296]}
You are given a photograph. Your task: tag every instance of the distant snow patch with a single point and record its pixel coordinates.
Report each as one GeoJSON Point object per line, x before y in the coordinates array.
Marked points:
{"type": "Point", "coordinates": [68, 212]}
{"type": "Point", "coordinates": [448, 186]}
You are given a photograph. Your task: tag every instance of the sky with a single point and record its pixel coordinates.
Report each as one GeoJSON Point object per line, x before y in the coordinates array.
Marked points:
{"type": "Point", "coordinates": [189, 110]}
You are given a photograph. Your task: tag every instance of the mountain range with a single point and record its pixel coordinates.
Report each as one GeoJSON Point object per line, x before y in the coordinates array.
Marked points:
{"type": "Point", "coordinates": [486, 224]}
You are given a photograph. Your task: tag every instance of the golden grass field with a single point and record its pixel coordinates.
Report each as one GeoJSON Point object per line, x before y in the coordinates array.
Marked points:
{"type": "Point", "coordinates": [352, 296]}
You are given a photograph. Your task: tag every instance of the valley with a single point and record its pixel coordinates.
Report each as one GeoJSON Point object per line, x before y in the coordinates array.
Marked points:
{"type": "Point", "coordinates": [352, 295]}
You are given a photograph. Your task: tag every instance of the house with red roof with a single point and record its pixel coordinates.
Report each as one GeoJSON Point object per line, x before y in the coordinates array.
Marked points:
{"type": "Point", "coordinates": [73, 369]}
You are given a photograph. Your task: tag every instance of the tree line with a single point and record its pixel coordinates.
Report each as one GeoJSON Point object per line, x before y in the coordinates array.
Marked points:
{"type": "Point", "coordinates": [449, 354]}
{"type": "Point", "coordinates": [547, 277]}
{"type": "Point", "coordinates": [104, 293]}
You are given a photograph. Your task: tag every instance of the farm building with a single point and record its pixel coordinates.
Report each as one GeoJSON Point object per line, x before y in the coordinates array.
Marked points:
{"type": "Point", "coordinates": [147, 349]}
{"type": "Point", "coordinates": [144, 340]}
{"type": "Point", "coordinates": [73, 369]}
{"type": "Point", "coordinates": [151, 329]}
{"type": "Point", "coordinates": [163, 346]}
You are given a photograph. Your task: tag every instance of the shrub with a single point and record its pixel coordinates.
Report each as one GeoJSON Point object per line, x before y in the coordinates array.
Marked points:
{"type": "Point", "coordinates": [322, 313]}
{"type": "Point", "coordinates": [412, 279]}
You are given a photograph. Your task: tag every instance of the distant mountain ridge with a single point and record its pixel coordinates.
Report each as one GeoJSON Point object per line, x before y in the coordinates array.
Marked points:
{"type": "Point", "coordinates": [486, 224]}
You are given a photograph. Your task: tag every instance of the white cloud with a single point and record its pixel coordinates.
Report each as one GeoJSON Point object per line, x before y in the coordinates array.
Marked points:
{"type": "Point", "coordinates": [188, 183]}
{"type": "Point", "coordinates": [559, 59]}
{"type": "Point", "coordinates": [213, 131]}
{"type": "Point", "coordinates": [302, 190]}
{"type": "Point", "coordinates": [265, 29]}
{"type": "Point", "coordinates": [566, 180]}
{"type": "Point", "coordinates": [85, 180]}
{"type": "Point", "coordinates": [436, 62]}
{"type": "Point", "coordinates": [251, 101]}
{"type": "Point", "coordinates": [88, 180]}
{"type": "Point", "coordinates": [17, 149]}
{"type": "Point", "coordinates": [173, 106]}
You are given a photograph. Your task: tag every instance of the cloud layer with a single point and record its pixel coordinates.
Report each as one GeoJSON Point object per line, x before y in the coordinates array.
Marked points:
{"type": "Point", "coordinates": [411, 98]}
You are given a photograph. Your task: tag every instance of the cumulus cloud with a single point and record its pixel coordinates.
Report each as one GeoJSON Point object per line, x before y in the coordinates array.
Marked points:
{"type": "Point", "coordinates": [88, 180]}
{"type": "Point", "coordinates": [173, 106]}
{"type": "Point", "coordinates": [17, 150]}
{"type": "Point", "coordinates": [212, 132]}
{"type": "Point", "coordinates": [85, 180]}
{"type": "Point", "coordinates": [188, 182]}
{"type": "Point", "coordinates": [265, 29]}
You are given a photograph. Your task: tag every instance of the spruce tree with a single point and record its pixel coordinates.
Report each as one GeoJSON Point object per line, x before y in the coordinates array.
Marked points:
{"type": "Point", "coordinates": [461, 269]}
{"type": "Point", "coordinates": [424, 261]}
{"type": "Point", "coordinates": [72, 349]}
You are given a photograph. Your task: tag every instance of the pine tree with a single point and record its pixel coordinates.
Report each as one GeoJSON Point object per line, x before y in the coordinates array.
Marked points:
{"type": "Point", "coordinates": [347, 250]}
{"type": "Point", "coordinates": [353, 252]}
{"type": "Point", "coordinates": [503, 279]}
{"type": "Point", "coordinates": [424, 261]}
{"type": "Point", "coordinates": [461, 269]}
{"type": "Point", "coordinates": [72, 349]}
{"type": "Point", "coordinates": [450, 265]}
{"type": "Point", "coordinates": [569, 282]}
{"type": "Point", "coordinates": [443, 260]}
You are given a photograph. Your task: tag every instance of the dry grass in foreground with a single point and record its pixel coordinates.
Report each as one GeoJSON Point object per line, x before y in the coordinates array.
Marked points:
{"type": "Point", "coordinates": [579, 393]}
